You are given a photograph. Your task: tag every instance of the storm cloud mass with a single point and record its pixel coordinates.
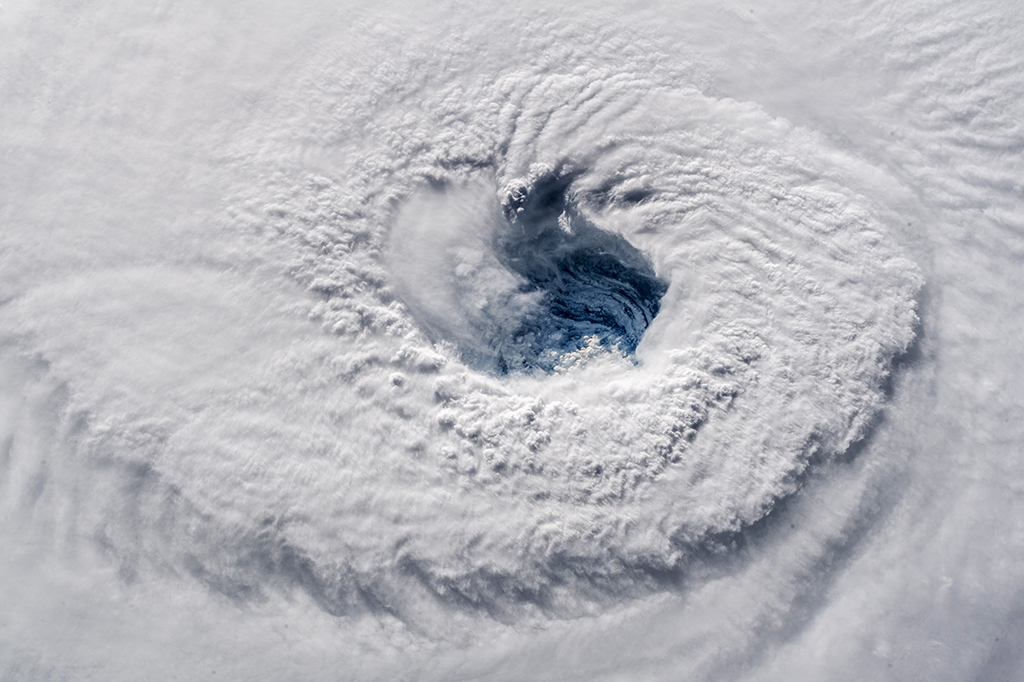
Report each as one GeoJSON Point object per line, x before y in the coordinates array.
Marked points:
{"type": "Point", "coordinates": [450, 341]}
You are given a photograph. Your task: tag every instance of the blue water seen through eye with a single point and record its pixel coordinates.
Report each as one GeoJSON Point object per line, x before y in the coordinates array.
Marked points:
{"type": "Point", "coordinates": [595, 286]}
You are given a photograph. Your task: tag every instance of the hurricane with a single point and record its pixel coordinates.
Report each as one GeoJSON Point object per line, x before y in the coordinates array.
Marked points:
{"type": "Point", "coordinates": [470, 341]}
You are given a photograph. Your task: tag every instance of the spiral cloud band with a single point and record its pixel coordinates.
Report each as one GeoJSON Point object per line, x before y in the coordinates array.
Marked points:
{"type": "Point", "coordinates": [480, 342]}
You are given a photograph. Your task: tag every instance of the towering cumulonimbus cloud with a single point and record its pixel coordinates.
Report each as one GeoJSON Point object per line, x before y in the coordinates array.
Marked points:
{"type": "Point", "coordinates": [479, 343]}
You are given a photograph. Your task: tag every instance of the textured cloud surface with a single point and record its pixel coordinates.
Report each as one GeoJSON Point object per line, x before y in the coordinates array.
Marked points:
{"type": "Point", "coordinates": [476, 342]}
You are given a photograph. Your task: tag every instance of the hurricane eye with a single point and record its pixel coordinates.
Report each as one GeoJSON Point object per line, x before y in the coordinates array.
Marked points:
{"type": "Point", "coordinates": [529, 286]}
{"type": "Point", "coordinates": [595, 288]}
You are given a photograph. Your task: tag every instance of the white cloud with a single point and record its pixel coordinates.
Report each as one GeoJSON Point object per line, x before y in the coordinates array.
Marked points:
{"type": "Point", "coordinates": [239, 417]}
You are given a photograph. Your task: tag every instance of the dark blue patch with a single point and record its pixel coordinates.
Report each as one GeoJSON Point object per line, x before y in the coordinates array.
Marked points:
{"type": "Point", "coordinates": [593, 283]}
